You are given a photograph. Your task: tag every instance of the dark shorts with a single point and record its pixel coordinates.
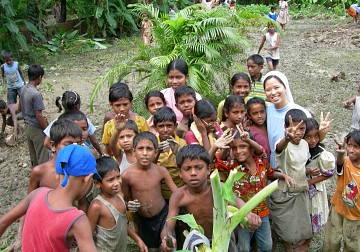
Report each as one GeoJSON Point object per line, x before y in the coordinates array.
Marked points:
{"type": "Point", "coordinates": [275, 62]}
{"type": "Point", "coordinates": [12, 94]}
{"type": "Point", "coordinates": [150, 228]}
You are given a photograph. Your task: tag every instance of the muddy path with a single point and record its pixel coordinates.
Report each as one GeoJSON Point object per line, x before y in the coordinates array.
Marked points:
{"type": "Point", "coordinates": [312, 53]}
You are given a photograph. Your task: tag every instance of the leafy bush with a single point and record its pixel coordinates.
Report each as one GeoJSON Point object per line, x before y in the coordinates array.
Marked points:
{"type": "Point", "coordinates": [73, 43]}
{"type": "Point", "coordinates": [208, 41]}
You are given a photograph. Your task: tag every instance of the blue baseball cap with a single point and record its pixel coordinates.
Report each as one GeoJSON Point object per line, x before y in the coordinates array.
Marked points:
{"type": "Point", "coordinates": [77, 161]}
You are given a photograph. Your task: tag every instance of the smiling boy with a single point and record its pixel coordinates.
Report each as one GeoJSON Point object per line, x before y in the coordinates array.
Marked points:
{"type": "Point", "coordinates": [142, 182]}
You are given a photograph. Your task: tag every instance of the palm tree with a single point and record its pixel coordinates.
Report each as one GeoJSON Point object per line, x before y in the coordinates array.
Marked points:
{"type": "Point", "coordinates": [209, 41]}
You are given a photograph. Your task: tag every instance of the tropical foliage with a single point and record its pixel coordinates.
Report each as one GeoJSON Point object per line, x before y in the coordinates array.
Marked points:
{"type": "Point", "coordinates": [209, 41]}
{"type": "Point", "coordinates": [11, 37]}
{"type": "Point", "coordinates": [225, 217]}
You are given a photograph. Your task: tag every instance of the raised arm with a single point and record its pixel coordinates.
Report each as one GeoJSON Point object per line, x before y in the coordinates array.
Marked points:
{"type": "Point", "coordinates": [340, 155]}
{"type": "Point", "coordinates": [289, 135]}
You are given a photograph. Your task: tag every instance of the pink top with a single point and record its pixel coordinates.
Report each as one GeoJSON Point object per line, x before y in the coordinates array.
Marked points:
{"type": "Point", "coordinates": [170, 101]}
{"type": "Point", "coordinates": [190, 137]}
{"type": "Point", "coordinates": [261, 138]}
{"type": "Point", "coordinates": [46, 229]}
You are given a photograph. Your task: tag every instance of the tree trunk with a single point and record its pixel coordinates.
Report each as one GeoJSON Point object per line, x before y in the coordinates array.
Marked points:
{"type": "Point", "coordinates": [63, 11]}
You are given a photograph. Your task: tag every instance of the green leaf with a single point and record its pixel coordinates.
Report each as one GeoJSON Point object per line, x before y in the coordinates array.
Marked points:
{"type": "Point", "coordinates": [22, 41]}
{"type": "Point", "coordinates": [227, 191]}
{"type": "Point", "coordinates": [34, 30]}
{"type": "Point", "coordinates": [111, 20]}
{"type": "Point", "coordinates": [98, 12]}
{"type": "Point", "coordinates": [72, 34]}
{"type": "Point", "coordinates": [190, 220]}
{"type": "Point", "coordinates": [12, 27]}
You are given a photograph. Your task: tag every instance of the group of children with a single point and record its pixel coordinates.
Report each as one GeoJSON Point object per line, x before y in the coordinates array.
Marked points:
{"type": "Point", "coordinates": [152, 170]}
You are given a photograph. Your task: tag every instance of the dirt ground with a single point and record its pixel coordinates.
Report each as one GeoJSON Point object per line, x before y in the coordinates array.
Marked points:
{"type": "Point", "coordinates": [313, 53]}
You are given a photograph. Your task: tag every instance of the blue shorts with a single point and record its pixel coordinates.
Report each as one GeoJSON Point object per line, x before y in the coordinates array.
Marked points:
{"type": "Point", "coordinates": [12, 94]}
{"type": "Point", "coordinates": [275, 62]}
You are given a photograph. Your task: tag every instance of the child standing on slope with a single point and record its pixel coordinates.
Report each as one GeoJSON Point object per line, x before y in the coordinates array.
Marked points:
{"type": "Point", "coordinates": [344, 218]}
{"type": "Point", "coordinates": [272, 51]}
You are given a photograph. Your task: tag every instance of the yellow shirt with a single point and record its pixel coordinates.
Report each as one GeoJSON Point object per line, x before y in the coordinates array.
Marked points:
{"type": "Point", "coordinates": [109, 128]}
{"type": "Point", "coordinates": [168, 160]}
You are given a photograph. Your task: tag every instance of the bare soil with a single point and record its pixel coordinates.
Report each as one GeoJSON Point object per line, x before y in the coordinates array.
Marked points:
{"type": "Point", "coordinates": [313, 54]}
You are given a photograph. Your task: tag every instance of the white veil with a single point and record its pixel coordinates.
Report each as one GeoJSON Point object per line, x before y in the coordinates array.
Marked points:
{"type": "Point", "coordinates": [284, 79]}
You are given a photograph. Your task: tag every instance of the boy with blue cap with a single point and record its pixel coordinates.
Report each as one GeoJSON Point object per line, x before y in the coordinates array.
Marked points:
{"type": "Point", "coordinates": [51, 222]}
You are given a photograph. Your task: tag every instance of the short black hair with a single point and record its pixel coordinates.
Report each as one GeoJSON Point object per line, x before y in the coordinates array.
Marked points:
{"type": "Point", "coordinates": [297, 115]}
{"type": "Point", "coordinates": [184, 90]}
{"type": "Point", "coordinates": [6, 54]}
{"type": "Point", "coordinates": [354, 135]}
{"type": "Point", "coordinates": [257, 59]}
{"type": "Point", "coordinates": [255, 100]}
{"type": "Point", "coordinates": [192, 151]}
{"type": "Point", "coordinates": [74, 115]}
{"type": "Point", "coordinates": [118, 84]}
{"type": "Point", "coordinates": [146, 135]}
{"type": "Point", "coordinates": [118, 93]}
{"type": "Point", "coordinates": [2, 104]}
{"type": "Point", "coordinates": [131, 125]}
{"type": "Point", "coordinates": [104, 165]}
{"type": "Point", "coordinates": [62, 128]}
{"type": "Point", "coordinates": [154, 93]}
{"type": "Point", "coordinates": [164, 114]}
{"type": "Point", "coordinates": [35, 71]}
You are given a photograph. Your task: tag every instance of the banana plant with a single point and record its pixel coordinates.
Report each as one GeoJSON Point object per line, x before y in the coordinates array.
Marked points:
{"type": "Point", "coordinates": [225, 216]}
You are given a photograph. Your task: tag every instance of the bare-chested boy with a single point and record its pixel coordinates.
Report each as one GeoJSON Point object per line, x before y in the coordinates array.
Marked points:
{"type": "Point", "coordinates": [196, 196]}
{"type": "Point", "coordinates": [142, 182]}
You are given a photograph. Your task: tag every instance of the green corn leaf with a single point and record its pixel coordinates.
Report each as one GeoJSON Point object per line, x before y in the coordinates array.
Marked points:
{"type": "Point", "coordinates": [22, 41]}
{"type": "Point", "coordinates": [227, 192]}
{"type": "Point", "coordinates": [190, 220]}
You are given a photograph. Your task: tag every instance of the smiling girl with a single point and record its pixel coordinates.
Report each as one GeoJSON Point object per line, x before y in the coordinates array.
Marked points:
{"type": "Point", "coordinates": [178, 74]}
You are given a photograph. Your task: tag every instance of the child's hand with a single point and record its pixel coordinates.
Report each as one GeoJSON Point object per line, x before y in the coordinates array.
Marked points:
{"type": "Point", "coordinates": [168, 243]}
{"type": "Point", "coordinates": [120, 121]}
{"type": "Point", "coordinates": [313, 171]}
{"type": "Point", "coordinates": [346, 104]}
{"type": "Point", "coordinates": [324, 125]}
{"type": "Point", "coordinates": [290, 182]}
{"type": "Point", "coordinates": [133, 205]}
{"type": "Point", "coordinates": [254, 221]}
{"type": "Point", "coordinates": [200, 125]}
{"type": "Point", "coordinates": [174, 146]}
{"type": "Point", "coordinates": [142, 246]}
{"type": "Point", "coordinates": [224, 141]}
{"type": "Point", "coordinates": [244, 135]}
{"type": "Point", "coordinates": [340, 146]}
{"type": "Point", "coordinates": [247, 124]}
{"type": "Point", "coordinates": [163, 146]}
{"type": "Point", "coordinates": [290, 131]}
